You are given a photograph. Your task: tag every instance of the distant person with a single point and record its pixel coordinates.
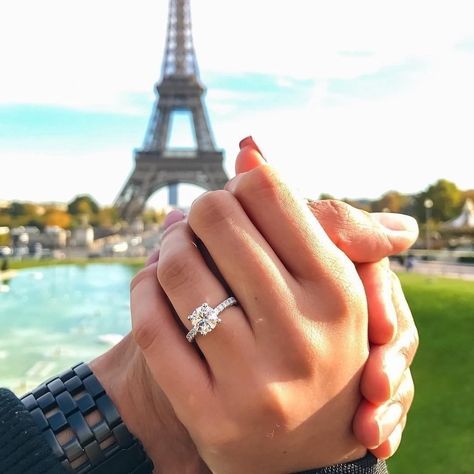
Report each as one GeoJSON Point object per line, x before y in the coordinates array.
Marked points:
{"type": "Point", "coordinates": [5, 265]}
{"type": "Point", "coordinates": [410, 263]}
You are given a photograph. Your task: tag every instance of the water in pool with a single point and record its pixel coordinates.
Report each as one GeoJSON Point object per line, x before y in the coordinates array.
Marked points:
{"type": "Point", "coordinates": [54, 317]}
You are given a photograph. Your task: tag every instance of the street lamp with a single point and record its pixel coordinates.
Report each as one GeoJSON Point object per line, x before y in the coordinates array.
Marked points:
{"type": "Point", "coordinates": [428, 205]}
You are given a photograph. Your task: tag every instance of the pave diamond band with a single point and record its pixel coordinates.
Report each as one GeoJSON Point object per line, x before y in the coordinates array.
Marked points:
{"type": "Point", "coordinates": [205, 318]}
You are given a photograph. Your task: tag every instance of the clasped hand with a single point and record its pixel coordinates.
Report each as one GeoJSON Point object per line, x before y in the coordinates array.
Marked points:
{"type": "Point", "coordinates": [273, 388]}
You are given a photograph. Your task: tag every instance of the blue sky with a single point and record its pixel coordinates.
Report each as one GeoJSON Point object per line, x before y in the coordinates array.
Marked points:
{"type": "Point", "coordinates": [348, 98]}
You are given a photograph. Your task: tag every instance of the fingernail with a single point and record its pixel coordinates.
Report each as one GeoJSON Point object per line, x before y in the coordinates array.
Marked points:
{"type": "Point", "coordinates": [394, 368]}
{"type": "Point", "coordinates": [174, 216]}
{"type": "Point", "coordinates": [389, 420]}
{"type": "Point", "coordinates": [250, 142]}
{"type": "Point", "coordinates": [397, 222]}
{"type": "Point", "coordinates": [153, 258]}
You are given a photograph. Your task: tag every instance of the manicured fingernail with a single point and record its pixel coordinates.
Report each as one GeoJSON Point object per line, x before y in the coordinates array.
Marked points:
{"type": "Point", "coordinates": [389, 419]}
{"type": "Point", "coordinates": [174, 216]}
{"type": "Point", "coordinates": [398, 222]}
{"type": "Point", "coordinates": [394, 368]}
{"type": "Point", "coordinates": [153, 258]}
{"type": "Point", "coordinates": [250, 142]}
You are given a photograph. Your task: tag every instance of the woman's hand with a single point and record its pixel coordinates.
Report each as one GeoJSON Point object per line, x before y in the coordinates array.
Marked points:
{"type": "Point", "coordinates": [275, 386]}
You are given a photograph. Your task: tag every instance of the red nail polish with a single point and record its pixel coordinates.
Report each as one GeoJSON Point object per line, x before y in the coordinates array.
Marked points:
{"type": "Point", "coordinates": [250, 142]}
{"type": "Point", "coordinates": [247, 141]}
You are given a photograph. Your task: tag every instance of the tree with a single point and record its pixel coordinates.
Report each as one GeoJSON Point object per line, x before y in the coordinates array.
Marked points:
{"type": "Point", "coordinates": [5, 220]}
{"type": "Point", "coordinates": [325, 197]}
{"type": "Point", "coordinates": [361, 204]}
{"type": "Point", "coordinates": [152, 216]}
{"type": "Point", "coordinates": [83, 204]}
{"type": "Point", "coordinates": [447, 201]}
{"type": "Point", "coordinates": [24, 209]}
{"type": "Point", "coordinates": [17, 209]}
{"type": "Point", "coordinates": [469, 194]}
{"type": "Point", "coordinates": [107, 217]}
{"type": "Point", "coordinates": [21, 214]}
{"type": "Point", "coordinates": [392, 201]}
{"type": "Point", "coordinates": [57, 218]}
{"type": "Point", "coordinates": [5, 238]}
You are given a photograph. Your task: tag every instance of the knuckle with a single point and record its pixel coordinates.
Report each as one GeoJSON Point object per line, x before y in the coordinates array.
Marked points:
{"type": "Point", "coordinates": [409, 336]}
{"type": "Point", "coordinates": [272, 406]}
{"type": "Point", "coordinates": [180, 229]}
{"type": "Point", "coordinates": [398, 296]}
{"type": "Point", "coordinates": [175, 270]}
{"type": "Point", "coordinates": [338, 213]}
{"type": "Point", "coordinates": [409, 344]}
{"type": "Point", "coordinates": [350, 303]}
{"type": "Point", "coordinates": [404, 351]}
{"type": "Point", "coordinates": [145, 331]}
{"type": "Point", "coordinates": [339, 209]}
{"type": "Point", "coordinates": [395, 280]}
{"type": "Point", "coordinates": [406, 391]}
{"type": "Point", "coordinates": [415, 340]}
{"type": "Point", "coordinates": [342, 217]}
{"type": "Point", "coordinates": [211, 209]}
{"type": "Point", "coordinates": [262, 182]}
{"type": "Point", "coordinates": [148, 272]}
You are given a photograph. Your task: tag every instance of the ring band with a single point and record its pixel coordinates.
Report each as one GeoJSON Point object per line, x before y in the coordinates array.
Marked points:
{"type": "Point", "coordinates": [205, 318]}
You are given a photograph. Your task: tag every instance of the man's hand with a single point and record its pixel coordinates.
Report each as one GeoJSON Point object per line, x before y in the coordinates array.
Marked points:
{"type": "Point", "coordinates": [367, 239]}
{"type": "Point", "coordinates": [142, 404]}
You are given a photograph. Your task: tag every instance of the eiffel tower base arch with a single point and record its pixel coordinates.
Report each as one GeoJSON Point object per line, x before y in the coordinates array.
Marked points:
{"type": "Point", "coordinates": [154, 171]}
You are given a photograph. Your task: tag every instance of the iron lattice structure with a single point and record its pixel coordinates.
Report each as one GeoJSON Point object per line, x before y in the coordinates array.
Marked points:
{"type": "Point", "coordinates": [156, 164]}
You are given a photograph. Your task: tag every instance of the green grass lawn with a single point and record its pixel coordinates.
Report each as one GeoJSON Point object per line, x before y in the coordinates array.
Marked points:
{"type": "Point", "coordinates": [439, 437]}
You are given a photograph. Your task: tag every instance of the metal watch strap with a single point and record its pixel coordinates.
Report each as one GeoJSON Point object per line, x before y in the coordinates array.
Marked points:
{"type": "Point", "coordinates": [62, 403]}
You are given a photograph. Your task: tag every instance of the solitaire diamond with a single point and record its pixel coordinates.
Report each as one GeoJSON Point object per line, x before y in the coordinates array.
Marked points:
{"type": "Point", "coordinates": [205, 318]}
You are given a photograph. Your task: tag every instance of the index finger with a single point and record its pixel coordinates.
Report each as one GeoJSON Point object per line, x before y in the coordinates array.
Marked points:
{"type": "Point", "coordinates": [173, 362]}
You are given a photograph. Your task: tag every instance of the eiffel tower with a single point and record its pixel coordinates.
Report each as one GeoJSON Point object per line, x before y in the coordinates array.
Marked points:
{"type": "Point", "coordinates": [156, 164]}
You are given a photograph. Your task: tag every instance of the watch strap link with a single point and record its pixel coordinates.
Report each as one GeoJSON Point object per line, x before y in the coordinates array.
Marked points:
{"type": "Point", "coordinates": [63, 403]}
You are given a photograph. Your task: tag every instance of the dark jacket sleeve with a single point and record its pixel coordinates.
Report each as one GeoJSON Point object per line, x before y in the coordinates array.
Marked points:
{"type": "Point", "coordinates": [23, 449]}
{"type": "Point", "coordinates": [366, 465]}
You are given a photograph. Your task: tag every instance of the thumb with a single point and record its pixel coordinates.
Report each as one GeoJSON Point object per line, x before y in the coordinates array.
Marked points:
{"type": "Point", "coordinates": [365, 237]}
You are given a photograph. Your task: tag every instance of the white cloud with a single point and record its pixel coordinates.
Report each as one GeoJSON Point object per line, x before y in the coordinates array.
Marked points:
{"type": "Point", "coordinates": [361, 148]}
{"type": "Point", "coordinates": [92, 53]}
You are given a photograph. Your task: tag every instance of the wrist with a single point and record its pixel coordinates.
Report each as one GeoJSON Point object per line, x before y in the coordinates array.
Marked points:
{"type": "Point", "coordinates": [145, 410]}
{"type": "Point", "coordinates": [84, 431]}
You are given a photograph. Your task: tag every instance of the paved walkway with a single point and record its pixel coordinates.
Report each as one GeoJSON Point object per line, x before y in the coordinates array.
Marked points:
{"type": "Point", "coordinates": [444, 269]}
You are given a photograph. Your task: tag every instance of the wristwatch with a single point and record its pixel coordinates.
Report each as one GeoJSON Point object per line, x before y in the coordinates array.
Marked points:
{"type": "Point", "coordinates": [83, 427]}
